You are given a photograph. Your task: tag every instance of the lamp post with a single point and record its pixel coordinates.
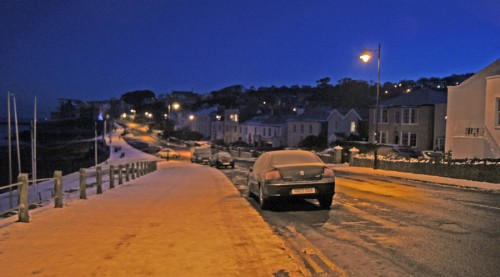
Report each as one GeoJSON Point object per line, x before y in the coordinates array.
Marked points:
{"type": "Point", "coordinates": [365, 56]}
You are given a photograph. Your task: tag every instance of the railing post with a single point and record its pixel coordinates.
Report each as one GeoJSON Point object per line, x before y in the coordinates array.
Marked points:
{"type": "Point", "coordinates": [120, 174]}
{"type": "Point", "coordinates": [98, 178]}
{"type": "Point", "coordinates": [23, 198]}
{"type": "Point", "coordinates": [142, 169]}
{"type": "Point", "coordinates": [83, 184]}
{"type": "Point", "coordinates": [111, 177]}
{"type": "Point", "coordinates": [58, 200]}
{"type": "Point", "coordinates": [132, 171]}
{"type": "Point", "coordinates": [127, 172]}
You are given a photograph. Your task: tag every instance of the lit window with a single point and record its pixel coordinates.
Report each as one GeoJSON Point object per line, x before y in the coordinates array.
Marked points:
{"type": "Point", "coordinates": [353, 126]}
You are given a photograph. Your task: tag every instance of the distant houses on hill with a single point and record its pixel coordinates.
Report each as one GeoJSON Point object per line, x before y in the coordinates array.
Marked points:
{"type": "Point", "coordinates": [464, 121]}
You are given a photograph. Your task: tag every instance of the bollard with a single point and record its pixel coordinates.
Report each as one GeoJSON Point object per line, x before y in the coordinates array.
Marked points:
{"type": "Point", "coordinates": [132, 170]}
{"type": "Point", "coordinates": [111, 177]}
{"type": "Point", "coordinates": [58, 201]}
{"type": "Point", "coordinates": [23, 198]}
{"type": "Point", "coordinates": [353, 152]}
{"type": "Point", "coordinates": [98, 180]}
{"type": "Point", "coordinates": [83, 184]}
{"type": "Point", "coordinates": [127, 171]}
{"type": "Point", "coordinates": [337, 154]}
{"type": "Point", "coordinates": [120, 174]}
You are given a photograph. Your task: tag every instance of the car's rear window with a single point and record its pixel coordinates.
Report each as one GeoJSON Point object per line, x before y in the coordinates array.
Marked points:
{"type": "Point", "coordinates": [294, 158]}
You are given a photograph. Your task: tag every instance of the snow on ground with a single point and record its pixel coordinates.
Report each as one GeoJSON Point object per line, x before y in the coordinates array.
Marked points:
{"type": "Point", "coordinates": [161, 224]}
{"type": "Point", "coordinates": [71, 182]}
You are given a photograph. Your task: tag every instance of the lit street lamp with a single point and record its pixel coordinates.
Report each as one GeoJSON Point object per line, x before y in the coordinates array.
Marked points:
{"type": "Point", "coordinates": [365, 56]}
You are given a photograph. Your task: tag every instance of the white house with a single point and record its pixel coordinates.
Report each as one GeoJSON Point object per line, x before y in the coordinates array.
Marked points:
{"type": "Point", "coordinates": [264, 130]}
{"type": "Point", "coordinates": [342, 125]}
{"type": "Point", "coordinates": [473, 115]}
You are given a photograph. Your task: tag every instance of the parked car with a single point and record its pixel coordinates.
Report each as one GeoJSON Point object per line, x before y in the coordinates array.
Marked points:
{"type": "Point", "coordinates": [168, 152]}
{"type": "Point", "coordinates": [286, 174]}
{"type": "Point", "coordinates": [222, 159]}
{"type": "Point", "coordinates": [201, 155]}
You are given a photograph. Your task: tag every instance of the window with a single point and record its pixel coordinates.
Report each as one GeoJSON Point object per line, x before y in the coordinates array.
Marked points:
{"type": "Point", "coordinates": [301, 128]}
{"type": "Point", "coordinates": [397, 117]}
{"type": "Point", "coordinates": [353, 126]}
{"type": "Point", "coordinates": [382, 116]}
{"type": "Point", "coordinates": [246, 130]}
{"type": "Point", "coordinates": [408, 139]}
{"type": "Point", "coordinates": [410, 116]}
{"type": "Point", "coordinates": [294, 128]}
{"type": "Point", "coordinates": [383, 137]}
{"type": "Point", "coordinates": [498, 112]}
{"type": "Point", "coordinates": [310, 129]}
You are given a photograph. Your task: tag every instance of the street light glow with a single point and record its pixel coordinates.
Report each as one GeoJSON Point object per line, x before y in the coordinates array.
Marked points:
{"type": "Point", "coordinates": [366, 56]}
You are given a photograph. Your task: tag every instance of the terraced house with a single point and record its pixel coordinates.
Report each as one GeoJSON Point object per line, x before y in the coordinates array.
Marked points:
{"type": "Point", "coordinates": [416, 119]}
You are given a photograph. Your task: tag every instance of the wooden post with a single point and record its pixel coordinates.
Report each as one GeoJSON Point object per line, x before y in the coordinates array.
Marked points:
{"type": "Point", "coordinates": [83, 184]}
{"type": "Point", "coordinates": [132, 171]}
{"type": "Point", "coordinates": [98, 179]}
{"type": "Point", "coordinates": [127, 171]}
{"type": "Point", "coordinates": [111, 177]}
{"type": "Point", "coordinates": [120, 174]}
{"type": "Point", "coordinates": [23, 198]}
{"type": "Point", "coordinates": [58, 200]}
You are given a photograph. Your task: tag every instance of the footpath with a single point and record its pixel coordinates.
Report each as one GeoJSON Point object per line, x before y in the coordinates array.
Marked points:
{"type": "Point", "coordinates": [434, 180]}
{"type": "Point", "coordinates": [181, 220]}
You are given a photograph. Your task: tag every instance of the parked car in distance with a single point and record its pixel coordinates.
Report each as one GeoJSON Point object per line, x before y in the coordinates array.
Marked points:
{"type": "Point", "coordinates": [168, 152]}
{"type": "Point", "coordinates": [287, 174]}
{"type": "Point", "coordinates": [222, 159]}
{"type": "Point", "coordinates": [201, 155]}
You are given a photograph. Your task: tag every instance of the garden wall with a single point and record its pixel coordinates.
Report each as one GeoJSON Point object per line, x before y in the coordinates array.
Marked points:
{"type": "Point", "coordinates": [479, 171]}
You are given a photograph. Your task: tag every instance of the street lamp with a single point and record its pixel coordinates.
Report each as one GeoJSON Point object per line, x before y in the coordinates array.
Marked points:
{"type": "Point", "coordinates": [366, 56]}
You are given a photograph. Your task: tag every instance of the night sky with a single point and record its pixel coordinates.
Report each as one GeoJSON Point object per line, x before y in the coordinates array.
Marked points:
{"type": "Point", "coordinates": [95, 50]}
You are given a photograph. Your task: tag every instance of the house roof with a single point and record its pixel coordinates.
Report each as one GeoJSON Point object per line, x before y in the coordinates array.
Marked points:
{"type": "Point", "coordinates": [266, 121]}
{"type": "Point", "coordinates": [316, 114]}
{"type": "Point", "coordinates": [491, 70]}
{"type": "Point", "coordinates": [420, 97]}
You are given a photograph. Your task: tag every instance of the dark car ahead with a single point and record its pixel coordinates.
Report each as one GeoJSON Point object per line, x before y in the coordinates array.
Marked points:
{"type": "Point", "coordinates": [289, 174]}
{"type": "Point", "coordinates": [222, 159]}
{"type": "Point", "coordinates": [201, 155]}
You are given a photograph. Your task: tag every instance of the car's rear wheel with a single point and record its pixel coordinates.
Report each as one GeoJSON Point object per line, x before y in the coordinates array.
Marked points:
{"type": "Point", "coordinates": [263, 200]}
{"type": "Point", "coordinates": [325, 201]}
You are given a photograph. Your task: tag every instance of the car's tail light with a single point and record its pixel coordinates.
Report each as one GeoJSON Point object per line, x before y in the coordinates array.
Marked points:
{"type": "Point", "coordinates": [272, 175]}
{"type": "Point", "coordinates": [328, 173]}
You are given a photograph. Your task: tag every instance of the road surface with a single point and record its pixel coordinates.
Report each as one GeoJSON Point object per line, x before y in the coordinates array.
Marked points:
{"type": "Point", "coordinates": [380, 226]}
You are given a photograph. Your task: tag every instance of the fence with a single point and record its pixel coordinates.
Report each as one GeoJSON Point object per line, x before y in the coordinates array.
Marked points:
{"type": "Point", "coordinates": [21, 199]}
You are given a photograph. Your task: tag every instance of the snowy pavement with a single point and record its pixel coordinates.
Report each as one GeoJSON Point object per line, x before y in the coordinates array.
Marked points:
{"type": "Point", "coordinates": [181, 220]}
{"type": "Point", "coordinates": [436, 180]}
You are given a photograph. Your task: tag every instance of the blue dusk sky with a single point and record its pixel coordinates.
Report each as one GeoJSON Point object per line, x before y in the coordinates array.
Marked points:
{"type": "Point", "coordinates": [95, 50]}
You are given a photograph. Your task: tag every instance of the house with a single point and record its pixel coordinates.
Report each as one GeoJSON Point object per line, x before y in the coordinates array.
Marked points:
{"type": "Point", "coordinates": [473, 115]}
{"type": "Point", "coordinates": [312, 122]}
{"type": "Point", "coordinates": [342, 124]}
{"type": "Point", "coordinates": [416, 119]}
{"type": "Point", "coordinates": [264, 130]}
{"type": "Point", "coordinates": [200, 121]}
{"type": "Point", "coordinates": [217, 130]}
{"type": "Point", "coordinates": [231, 126]}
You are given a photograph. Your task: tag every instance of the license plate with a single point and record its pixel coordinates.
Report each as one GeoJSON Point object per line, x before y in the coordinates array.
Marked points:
{"type": "Point", "coordinates": [303, 191]}
{"type": "Point", "coordinates": [225, 163]}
